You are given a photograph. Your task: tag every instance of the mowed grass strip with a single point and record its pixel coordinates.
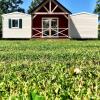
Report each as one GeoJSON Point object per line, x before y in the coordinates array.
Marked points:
{"type": "Point", "coordinates": [56, 69]}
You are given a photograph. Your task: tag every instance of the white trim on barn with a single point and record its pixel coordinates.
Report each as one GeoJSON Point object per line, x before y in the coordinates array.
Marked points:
{"type": "Point", "coordinates": [50, 28]}
{"type": "Point", "coordinates": [49, 10]}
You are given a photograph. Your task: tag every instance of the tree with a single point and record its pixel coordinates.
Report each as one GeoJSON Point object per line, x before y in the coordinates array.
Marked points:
{"type": "Point", "coordinates": [97, 9]}
{"type": "Point", "coordinates": [0, 21]}
{"type": "Point", "coordinates": [34, 4]}
{"type": "Point", "coordinates": [7, 6]}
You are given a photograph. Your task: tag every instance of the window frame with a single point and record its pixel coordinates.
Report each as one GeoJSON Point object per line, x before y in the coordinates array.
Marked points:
{"type": "Point", "coordinates": [50, 18]}
{"type": "Point", "coordinates": [12, 19]}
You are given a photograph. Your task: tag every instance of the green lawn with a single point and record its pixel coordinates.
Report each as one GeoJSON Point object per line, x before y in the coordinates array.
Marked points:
{"type": "Point", "coordinates": [51, 69]}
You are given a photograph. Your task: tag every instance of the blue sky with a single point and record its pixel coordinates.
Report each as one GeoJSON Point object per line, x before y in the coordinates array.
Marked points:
{"type": "Point", "coordinates": [74, 6]}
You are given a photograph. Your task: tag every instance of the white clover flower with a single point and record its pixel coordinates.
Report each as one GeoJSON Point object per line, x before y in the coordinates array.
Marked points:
{"type": "Point", "coordinates": [77, 71]}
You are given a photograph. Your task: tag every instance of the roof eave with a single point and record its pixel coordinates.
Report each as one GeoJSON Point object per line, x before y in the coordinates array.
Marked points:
{"type": "Point", "coordinates": [56, 2]}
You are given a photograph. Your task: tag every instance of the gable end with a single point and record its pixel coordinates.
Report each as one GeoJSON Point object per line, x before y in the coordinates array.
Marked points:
{"type": "Point", "coordinates": [60, 6]}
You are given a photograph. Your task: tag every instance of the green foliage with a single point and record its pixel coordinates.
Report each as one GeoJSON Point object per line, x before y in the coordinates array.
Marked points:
{"type": "Point", "coordinates": [7, 6]}
{"type": "Point", "coordinates": [99, 31]}
{"type": "Point", "coordinates": [35, 96]}
{"type": "Point", "coordinates": [0, 22]}
{"type": "Point", "coordinates": [99, 34]}
{"type": "Point", "coordinates": [97, 9]}
{"type": "Point", "coordinates": [33, 5]}
{"type": "Point", "coordinates": [50, 70]}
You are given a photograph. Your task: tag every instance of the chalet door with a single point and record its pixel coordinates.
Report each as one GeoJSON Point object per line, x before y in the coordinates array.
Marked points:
{"type": "Point", "coordinates": [50, 27]}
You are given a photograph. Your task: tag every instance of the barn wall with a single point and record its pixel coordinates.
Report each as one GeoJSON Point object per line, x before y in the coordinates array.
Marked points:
{"type": "Point", "coordinates": [25, 32]}
{"type": "Point", "coordinates": [84, 26]}
{"type": "Point", "coordinates": [37, 23]}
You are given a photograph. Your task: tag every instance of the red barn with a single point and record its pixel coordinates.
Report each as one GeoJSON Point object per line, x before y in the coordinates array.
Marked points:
{"type": "Point", "coordinates": [50, 20]}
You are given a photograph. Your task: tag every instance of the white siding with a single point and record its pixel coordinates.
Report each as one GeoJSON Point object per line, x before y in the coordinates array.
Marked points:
{"type": "Point", "coordinates": [84, 25]}
{"type": "Point", "coordinates": [25, 32]}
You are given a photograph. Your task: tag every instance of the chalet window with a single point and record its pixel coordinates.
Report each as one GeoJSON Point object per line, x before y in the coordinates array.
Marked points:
{"type": "Point", "coordinates": [15, 23]}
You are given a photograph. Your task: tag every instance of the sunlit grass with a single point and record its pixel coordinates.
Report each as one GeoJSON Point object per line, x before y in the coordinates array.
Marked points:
{"type": "Point", "coordinates": [56, 69]}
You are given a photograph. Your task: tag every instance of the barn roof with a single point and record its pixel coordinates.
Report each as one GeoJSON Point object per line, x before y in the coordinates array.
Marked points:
{"type": "Point", "coordinates": [57, 3]}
